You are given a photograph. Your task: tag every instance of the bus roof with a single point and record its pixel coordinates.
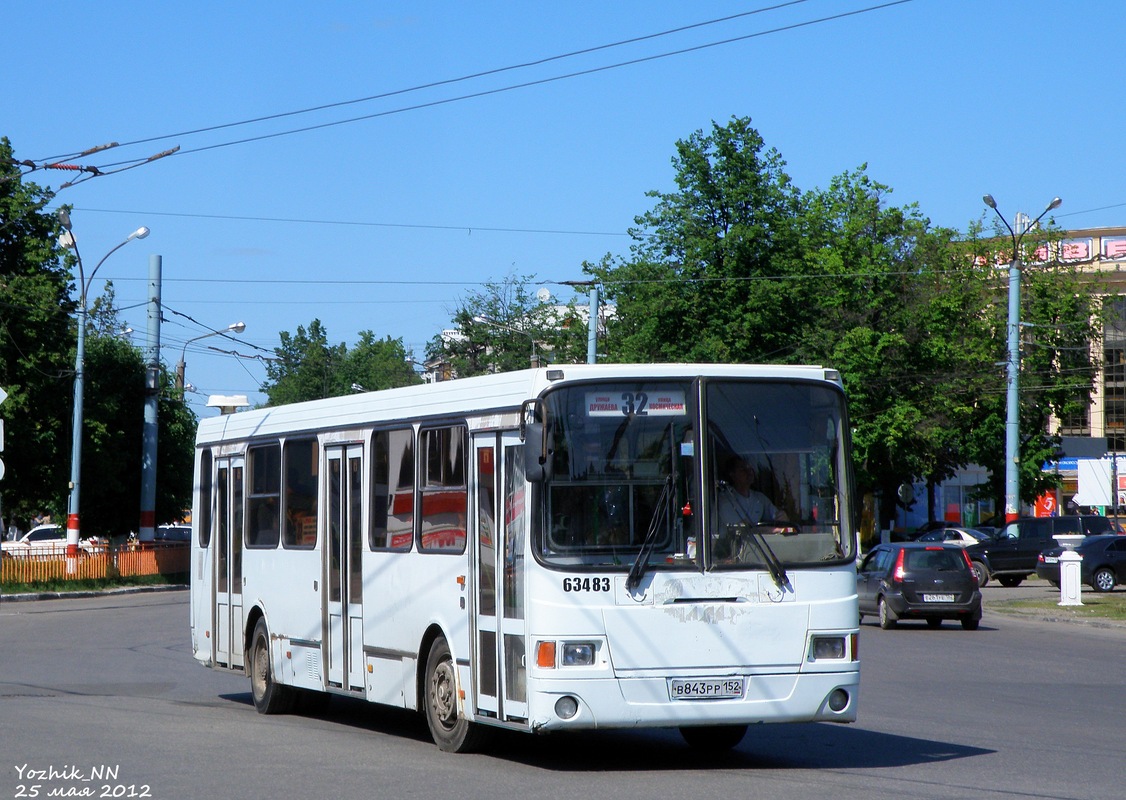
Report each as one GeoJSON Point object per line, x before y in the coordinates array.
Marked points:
{"type": "Point", "coordinates": [485, 394]}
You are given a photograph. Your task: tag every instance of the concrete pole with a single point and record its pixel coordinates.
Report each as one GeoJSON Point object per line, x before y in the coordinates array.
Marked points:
{"type": "Point", "coordinates": [592, 327]}
{"type": "Point", "coordinates": [73, 527]}
{"type": "Point", "coordinates": [152, 397]}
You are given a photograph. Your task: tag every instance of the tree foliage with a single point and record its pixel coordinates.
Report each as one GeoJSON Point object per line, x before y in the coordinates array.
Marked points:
{"type": "Point", "coordinates": [307, 367]}
{"type": "Point", "coordinates": [36, 368]}
{"type": "Point", "coordinates": [498, 330]}
{"type": "Point", "coordinates": [37, 356]}
{"type": "Point", "coordinates": [113, 413]}
{"type": "Point", "coordinates": [739, 265]}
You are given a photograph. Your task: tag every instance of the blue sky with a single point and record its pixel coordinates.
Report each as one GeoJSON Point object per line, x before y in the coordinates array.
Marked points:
{"type": "Point", "coordinates": [385, 223]}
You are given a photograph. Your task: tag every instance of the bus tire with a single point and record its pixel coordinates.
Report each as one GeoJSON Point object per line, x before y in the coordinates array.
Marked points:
{"type": "Point", "coordinates": [713, 738]}
{"type": "Point", "coordinates": [451, 731]}
{"type": "Point", "coordinates": [269, 697]}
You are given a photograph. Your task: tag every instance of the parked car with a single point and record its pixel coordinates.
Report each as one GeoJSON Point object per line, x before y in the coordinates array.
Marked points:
{"type": "Point", "coordinates": [913, 580]}
{"type": "Point", "coordinates": [1103, 566]}
{"type": "Point", "coordinates": [49, 539]}
{"type": "Point", "coordinates": [963, 537]}
{"type": "Point", "coordinates": [1011, 556]}
{"type": "Point", "coordinates": [173, 533]}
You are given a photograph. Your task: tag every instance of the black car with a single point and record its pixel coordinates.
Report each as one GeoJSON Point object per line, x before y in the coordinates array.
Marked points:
{"type": "Point", "coordinates": [173, 533]}
{"type": "Point", "coordinates": [1011, 556]}
{"type": "Point", "coordinates": [912, 580]}
{"type": "Point", "coordinates": [1103, 567]}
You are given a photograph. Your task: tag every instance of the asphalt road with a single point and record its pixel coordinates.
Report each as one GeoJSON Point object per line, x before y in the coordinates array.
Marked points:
{"type": "Point", "coordinates": [101, 695]}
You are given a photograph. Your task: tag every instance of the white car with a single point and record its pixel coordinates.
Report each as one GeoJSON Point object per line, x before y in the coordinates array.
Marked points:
{"type": "Point", "coordinates": [963, 537]}
{"type": "Point", "coordinates": [45, 540]}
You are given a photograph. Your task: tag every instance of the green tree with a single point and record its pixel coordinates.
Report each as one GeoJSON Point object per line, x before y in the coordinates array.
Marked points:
{"type": "Point", "coordinates": [36, 368]}
{"type": "Point", "coordinates": [898, 312]}
{"type": "Point", "coordinates": [711, 273]}
{"type": "Point", "coordinates": [497, 330]}
{"type": "Point", "coordinates": [378, 364]}
{"type": "Point", "coordinates": [307, 367]}
{"type": "Point", "coordinates": [113, 425]}
{"type": "Point", "coordinates": [739, 265]}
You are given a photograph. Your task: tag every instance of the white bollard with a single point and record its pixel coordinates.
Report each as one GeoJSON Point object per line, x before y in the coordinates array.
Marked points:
{"type": "Point", "coordinates": [1071, 584]}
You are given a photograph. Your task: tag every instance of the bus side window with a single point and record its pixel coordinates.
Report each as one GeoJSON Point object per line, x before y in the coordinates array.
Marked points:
{"type": "Point", "coordinates": [392, 518]}
{"type": "Point", "coordinates": [263, 526]}
{"type": "Point", "coordinates": [443, 492]}
{"type": "Point", "coordinates": [203, 522]}
{"type": "Point", "coordinates": [301, 493]}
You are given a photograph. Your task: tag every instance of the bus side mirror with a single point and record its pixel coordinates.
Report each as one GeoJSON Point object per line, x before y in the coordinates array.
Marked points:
{"type": "Point", "coordinates": [537, 457]}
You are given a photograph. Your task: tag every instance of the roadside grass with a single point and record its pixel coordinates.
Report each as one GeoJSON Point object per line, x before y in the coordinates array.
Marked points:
{"type": "Point", "coordinates": [91, 584]}
{"type": "Point", "coordinates": [1096, 605]}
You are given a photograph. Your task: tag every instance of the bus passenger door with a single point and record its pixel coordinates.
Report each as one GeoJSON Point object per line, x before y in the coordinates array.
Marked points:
{"type": "Point", "coordinates": [500, 684]}
{"type": "Point", "coordinates": [227, 569]}
{"type": "Point", "coordinates": [343, 566]}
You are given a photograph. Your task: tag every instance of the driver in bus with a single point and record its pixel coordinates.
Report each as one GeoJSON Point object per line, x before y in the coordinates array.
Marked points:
{"type": "Point", "coordinates": [739, 502]}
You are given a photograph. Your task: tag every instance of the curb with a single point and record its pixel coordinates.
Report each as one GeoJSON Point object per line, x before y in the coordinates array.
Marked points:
{"type": "Point", "coordinates": [29, 596]}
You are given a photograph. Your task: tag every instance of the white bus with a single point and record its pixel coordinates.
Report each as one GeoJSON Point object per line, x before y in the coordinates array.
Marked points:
{"type": "Point", "coordinates": [545, 550]}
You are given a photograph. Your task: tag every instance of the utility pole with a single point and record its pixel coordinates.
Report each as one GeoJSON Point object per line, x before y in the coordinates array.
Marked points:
{"type": "Point", "coordinates": [152, 398]}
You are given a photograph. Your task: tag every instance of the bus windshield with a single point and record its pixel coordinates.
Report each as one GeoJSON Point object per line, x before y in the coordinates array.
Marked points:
{"type": "Point", "coordinates": [631, 481]}
{"type": "Point", "coordinates": [777, 474]}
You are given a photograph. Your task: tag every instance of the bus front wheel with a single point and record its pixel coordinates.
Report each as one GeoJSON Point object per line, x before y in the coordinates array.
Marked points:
{"type": "Point", "coordinates": [452, 732]}
{"type": "Point", "coordinates": [269, 697]}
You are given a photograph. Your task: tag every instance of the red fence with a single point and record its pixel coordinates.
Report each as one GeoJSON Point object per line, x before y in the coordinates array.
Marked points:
{"type": "Point", "coordinates": [139, 559]}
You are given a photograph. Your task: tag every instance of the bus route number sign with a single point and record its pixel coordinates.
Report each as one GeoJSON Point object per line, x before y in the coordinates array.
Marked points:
{"type": "Point", "coordinates": [705, 688]}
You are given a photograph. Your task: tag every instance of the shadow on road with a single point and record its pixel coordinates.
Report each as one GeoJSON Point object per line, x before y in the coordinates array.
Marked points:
{"type": "Point", "coordinates": [798, 746]}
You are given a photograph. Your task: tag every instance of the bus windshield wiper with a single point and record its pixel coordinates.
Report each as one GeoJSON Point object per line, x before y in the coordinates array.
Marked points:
{"type": "Point", "coordinates": [770, 559]}
{"type": "Point", "coordinates": [660, 513]}
{"type": "Point", "coordinates": [773, 564]}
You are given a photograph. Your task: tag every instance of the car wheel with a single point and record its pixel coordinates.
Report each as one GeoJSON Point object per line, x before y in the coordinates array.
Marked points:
{"type": "Point", "coordinates": [1103, 580]}
{"type": "Point", "coordinates": [886, 615]}
{"type": "Point", "coordinates": [452, 732]}
{"type": "Point", "coordinates": [269, 697]}
{"type": "Point", "coordinates": [982, 573]}
{"type": "Point", "coordinates": [1011, 581]}
{"type": "Point", "coordinates": [713, 738]}
{"type": "Point", "coordinates": [970, 623]}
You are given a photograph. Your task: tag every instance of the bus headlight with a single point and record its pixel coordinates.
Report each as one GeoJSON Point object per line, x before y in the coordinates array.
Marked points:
{"type": "Point", "coordinates": [827, 647]}
{"type": "Point", "coordinates": [578, 654]}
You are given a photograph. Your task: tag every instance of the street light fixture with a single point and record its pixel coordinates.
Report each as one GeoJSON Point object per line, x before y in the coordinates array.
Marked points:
{"type": "Point", "coordinates": [535, 359]}
{"type": "Point", "coordinates": [72, 521]}
{"type": "Point", "coordinates": [234, 327]}
{"type": "Point", "coordinates": [1012, 415]}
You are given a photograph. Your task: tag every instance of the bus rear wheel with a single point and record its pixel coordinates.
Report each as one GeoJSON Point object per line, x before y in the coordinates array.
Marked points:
{"type": "Point", "coordinates": [452, 732]}
{"type": "Point", "coordinates": [269, 697]}
{"type": "Point", "coordinates": [713, 737]}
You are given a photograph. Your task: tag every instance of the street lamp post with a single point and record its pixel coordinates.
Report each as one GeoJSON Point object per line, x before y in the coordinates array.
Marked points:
{"type": "Point", "coordinates": [1012, 414]}
{"type": "Point", "coordinates": [72, 520]}
{"type": "Point", "coordinates": [234, 327]}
